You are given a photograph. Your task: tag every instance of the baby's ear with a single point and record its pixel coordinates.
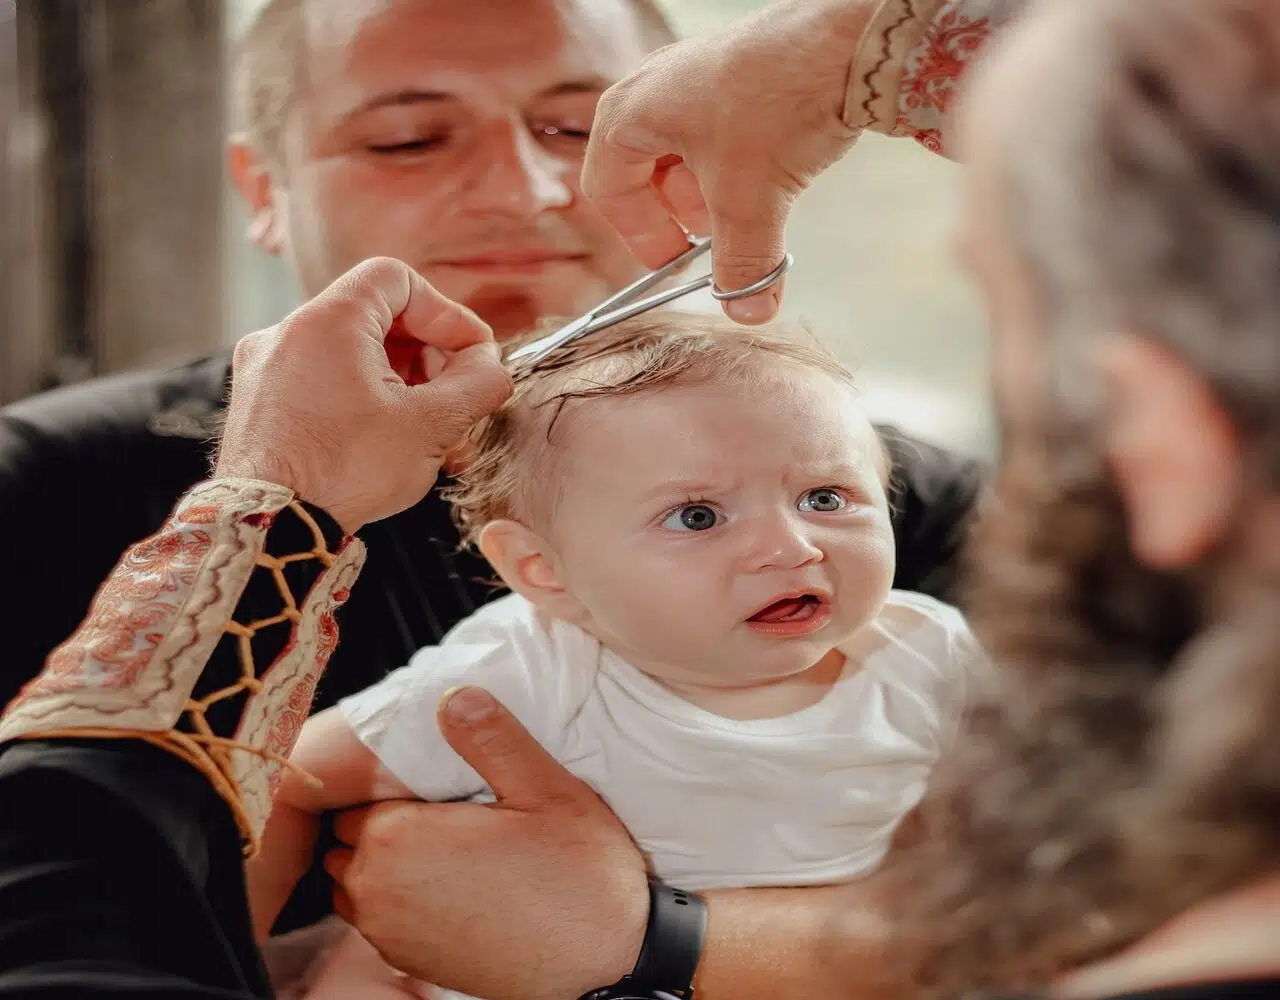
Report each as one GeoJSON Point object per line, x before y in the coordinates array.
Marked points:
{"type": "Point", "coordinates": [529, 567]}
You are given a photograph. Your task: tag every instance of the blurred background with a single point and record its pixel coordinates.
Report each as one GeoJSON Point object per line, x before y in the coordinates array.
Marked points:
{"type": "Point", "coordinates": [123, 245]}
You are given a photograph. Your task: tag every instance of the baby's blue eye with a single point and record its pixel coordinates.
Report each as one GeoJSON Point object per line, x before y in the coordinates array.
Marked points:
{"type": "Point", "coordinates": [694, 517]}
{"type": "Point", "coordinates": [821, 501]}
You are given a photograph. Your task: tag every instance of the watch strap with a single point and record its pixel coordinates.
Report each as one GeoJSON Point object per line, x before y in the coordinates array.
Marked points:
{"type": "Point", "coordinates": [673, 940]}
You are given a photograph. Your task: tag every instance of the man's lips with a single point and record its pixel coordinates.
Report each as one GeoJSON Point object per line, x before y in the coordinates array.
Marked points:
{"type": "Point", "coordinates": [513, 261]}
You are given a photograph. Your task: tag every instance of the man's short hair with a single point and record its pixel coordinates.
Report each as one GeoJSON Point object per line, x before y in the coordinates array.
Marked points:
{"type": "Point", "coordinates": [267, 63]}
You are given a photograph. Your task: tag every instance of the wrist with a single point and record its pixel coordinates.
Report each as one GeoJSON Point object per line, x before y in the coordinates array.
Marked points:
{"type": "Point", "coordinates": [262, 466]}
{"type": "Point", "coordinates": [266, 468]}
{"type": "Point", "coordinates": [841, 23]}
{"type": "Point", "coordinates": [614, 954]}
{"type": "Point", "coordinates": [669, 951]}
{"type": "Point", "coordinates": [827, 37]}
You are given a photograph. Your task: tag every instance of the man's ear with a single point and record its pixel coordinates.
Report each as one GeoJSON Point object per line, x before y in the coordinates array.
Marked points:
{"type": "Point", "coordinates": [1173, 450]}
{"type": "Point", "coordinates": [529, 567]}
{"type": "Point", "coordinates": [253, 180]}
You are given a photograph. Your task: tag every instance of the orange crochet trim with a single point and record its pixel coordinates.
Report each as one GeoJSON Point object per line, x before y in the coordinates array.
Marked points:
{"type": "Point", "coordinates": [203, 749]}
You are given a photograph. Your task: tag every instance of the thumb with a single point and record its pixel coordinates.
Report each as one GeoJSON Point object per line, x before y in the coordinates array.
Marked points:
{"type": "Point", "coordinates": [489, 738]}
{"type": "Point", "coordinates": [748, 240]}
{"type": "Point", "coordinates": [469, 386]}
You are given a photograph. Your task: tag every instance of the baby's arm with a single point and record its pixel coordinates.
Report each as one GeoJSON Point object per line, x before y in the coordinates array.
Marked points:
{"type": "Point", "coordinates": [350, 774]}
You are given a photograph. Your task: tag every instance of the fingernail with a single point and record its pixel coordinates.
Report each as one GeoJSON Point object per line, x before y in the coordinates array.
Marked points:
{"type": "Point", "coordinates": [468, 705]}
{"type": "Point", "coordinates": [752, 310]}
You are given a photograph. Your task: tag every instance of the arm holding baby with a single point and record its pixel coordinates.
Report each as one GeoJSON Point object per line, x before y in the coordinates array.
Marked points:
{"type": "Point", "coordinates": [385, 743]}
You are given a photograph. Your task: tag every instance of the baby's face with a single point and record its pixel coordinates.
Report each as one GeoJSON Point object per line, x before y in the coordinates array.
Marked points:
{"type": "Point", "coordinates": [720, 534]}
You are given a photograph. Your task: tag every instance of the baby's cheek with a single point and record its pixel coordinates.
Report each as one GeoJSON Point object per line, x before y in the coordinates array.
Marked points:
{"type": "Point", "coordinates": [633, 605]}
{"type": "Point", "coordinates": [869, 562]}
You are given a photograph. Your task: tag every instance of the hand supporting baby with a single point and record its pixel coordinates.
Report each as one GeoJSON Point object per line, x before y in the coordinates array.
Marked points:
{"type": "Point", "coordinates": [551, 848]}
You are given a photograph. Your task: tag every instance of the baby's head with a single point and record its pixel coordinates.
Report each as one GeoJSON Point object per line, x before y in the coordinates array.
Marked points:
{"type": "Point", "coordinates": [705, 499]}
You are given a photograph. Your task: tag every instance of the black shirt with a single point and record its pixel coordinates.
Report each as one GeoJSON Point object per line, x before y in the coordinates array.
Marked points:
{"type": "Point", "coordinates": [88, 470]}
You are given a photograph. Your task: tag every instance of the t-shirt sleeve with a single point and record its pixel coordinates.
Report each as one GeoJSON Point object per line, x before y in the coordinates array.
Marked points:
{"type": "Point", "coordinates": [540, 669]}
{"type": "Point", "coordinates": [946, 666]}
{"type": "Point", "coordinates": [912, 60]}
{"type": "Point", "coordinates": [970, 677]}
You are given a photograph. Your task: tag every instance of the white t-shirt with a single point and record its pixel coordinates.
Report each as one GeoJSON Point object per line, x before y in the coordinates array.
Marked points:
{"type": "Point", "coordinates": [808, 798]}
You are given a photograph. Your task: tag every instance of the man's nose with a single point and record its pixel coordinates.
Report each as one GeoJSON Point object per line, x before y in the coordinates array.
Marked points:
{"type": "Point", "coordinates": [784, 543]}
{"type": "Point", "coordinates": [517, 176]}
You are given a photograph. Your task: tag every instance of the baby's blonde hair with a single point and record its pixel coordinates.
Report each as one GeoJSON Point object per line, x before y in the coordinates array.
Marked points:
{"type": "Point", "coordinates": [507, 470]}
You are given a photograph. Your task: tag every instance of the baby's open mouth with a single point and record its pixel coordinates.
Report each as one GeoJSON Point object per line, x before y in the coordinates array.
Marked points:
{"type": "Point", "coordinates": [789, 609]}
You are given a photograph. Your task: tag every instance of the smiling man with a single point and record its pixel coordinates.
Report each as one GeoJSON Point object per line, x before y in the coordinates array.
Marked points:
{"type": "Point", "coordinates": [449, 136]}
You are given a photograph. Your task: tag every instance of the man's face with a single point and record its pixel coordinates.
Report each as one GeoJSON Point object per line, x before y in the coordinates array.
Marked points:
{"type": "Point", "coordinates": [450, 135]}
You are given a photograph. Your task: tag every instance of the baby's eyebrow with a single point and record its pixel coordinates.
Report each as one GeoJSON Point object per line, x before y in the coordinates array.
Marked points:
{"type": "Point", "coordinates": [687, 487]}
{"type": "Point", "coordinates": [841, 471]}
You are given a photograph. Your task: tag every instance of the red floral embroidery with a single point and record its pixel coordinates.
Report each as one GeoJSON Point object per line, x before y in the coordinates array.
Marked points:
{"type": "Point", "coordinates": [284, 734]}
{"type": "Point", "coordinates": [162, 564]}
{"type": "Point", "coordinates": [206, 513]}
{"type": "Point", "coordinates": [929, 138]}
{"type": "Point", "coordinates": [933, 72]}
{"type": "Point", "coordinates": [110, 651]}
{"type": "Point", "coordinates": [288, 726]}
{"type": "Point", "coordinates": [327, 640]}
{"type": "Point", "coordinates": [129, 617]}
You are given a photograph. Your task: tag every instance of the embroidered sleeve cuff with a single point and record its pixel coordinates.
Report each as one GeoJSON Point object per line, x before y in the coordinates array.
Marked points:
{"type": "Point", "coordinates": [911, 62]}
{"type": "Point", "coordinates": [207, 639]}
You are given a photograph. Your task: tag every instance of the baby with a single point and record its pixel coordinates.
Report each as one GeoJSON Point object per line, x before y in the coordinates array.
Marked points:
{"type": "Point", "coordinates": [691, 517]}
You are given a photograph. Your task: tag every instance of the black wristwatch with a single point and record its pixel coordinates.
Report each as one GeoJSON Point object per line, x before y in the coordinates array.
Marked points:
{"type": "Point", "coordinates": [671, 950]}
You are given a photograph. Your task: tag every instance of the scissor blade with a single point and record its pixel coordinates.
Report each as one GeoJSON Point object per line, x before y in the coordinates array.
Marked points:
{"type": "Point", "coordinates": [588, 321]}
{"type": "Point", "coordinates": [700, 245]}
{"type": "Point", "coordinates": [652, 302]}
{"type": "Point", "coordinates": [553, 340]}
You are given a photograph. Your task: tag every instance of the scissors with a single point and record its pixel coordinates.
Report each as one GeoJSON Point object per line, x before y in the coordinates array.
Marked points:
{"type": "Point", "coordinates": [620, 306]}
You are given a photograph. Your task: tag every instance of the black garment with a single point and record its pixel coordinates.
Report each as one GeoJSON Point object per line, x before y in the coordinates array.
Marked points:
{"type": "Point", "coordinates": [88, 470]}
{"type": "Point", "coordinates": [120, 867]}
{"type": "Point", "coordinates": [120, 876]}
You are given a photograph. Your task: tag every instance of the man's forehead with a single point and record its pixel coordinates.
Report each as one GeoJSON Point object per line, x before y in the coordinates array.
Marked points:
{"type": "Point", "coordinates": [582, 38]}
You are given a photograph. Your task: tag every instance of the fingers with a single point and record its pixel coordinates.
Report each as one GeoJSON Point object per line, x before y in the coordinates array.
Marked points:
{"type": "Point", "coordinates": [382, 294]}
{"type": "Point", "coordinates": [681, 192]}
{"type": "Point", "coordinates": [618, 176]}
{"type": "Point", "coordinates": [468, 386]}
{"type": "Point", "coordinates": [489, 738]}
{"type": "Point", "coordinates": [748, 240]}
{"type": "Point", "coordinates": [654, 201]}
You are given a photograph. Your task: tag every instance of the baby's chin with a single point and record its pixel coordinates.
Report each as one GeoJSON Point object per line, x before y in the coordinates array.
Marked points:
{"type": "Point", "coordinates": [758, 688]}
{"type": "Point", "coordinates": [788, 660]}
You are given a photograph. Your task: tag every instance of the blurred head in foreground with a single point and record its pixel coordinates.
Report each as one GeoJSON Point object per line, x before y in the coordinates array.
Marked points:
{"type": "Point", "coordinates": [1123, 221]}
